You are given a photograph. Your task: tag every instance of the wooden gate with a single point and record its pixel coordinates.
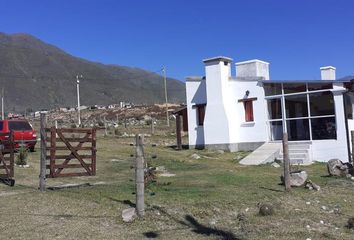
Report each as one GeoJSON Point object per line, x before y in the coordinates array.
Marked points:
{"type": "Point", "coordinates": [6, 155]}
{"type": "Point", "coordinates": [71, 152]}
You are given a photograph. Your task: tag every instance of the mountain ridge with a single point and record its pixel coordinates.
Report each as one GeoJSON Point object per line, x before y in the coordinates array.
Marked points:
{"type": "Point", "coordinates": [38, 75]}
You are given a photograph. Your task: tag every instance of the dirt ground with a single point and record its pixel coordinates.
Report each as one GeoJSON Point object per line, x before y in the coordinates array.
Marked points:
{"type": "Point", "coordinates": [213, 197]}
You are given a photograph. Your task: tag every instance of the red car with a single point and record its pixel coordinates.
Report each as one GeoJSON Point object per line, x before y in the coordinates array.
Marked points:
{"type": "Point", "coordinates": [24, 134]}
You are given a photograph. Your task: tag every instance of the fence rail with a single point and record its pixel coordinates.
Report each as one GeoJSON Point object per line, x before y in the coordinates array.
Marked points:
{"type": "Point", "coordinates": [67, 154]}
{"type": "Point", "coordinates": [7, 154]}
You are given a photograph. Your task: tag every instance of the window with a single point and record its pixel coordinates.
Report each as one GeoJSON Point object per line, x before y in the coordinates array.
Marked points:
{"type": "Point", "coordinates": [274, 108]}
{"type": "Point", "coordinates": [296, 106]}
{"type": "Point", "coordinates": [200, 114]}
{"type": "Point", "coordinates": [298, 129]}
{"type": "Point", "coordinates": [321, 104]}
{"type": "Point", "coordinates": [19, 126]}
{"type": "Point", "coordinates": [319, 86]}
{"type": "Point", "coordinates": [308, 115]}
{"type": "Point", "coordinates": [323, 128]}
{"type": "Point", "coordinates": [248, 107]}
{"type": "Point", "coordinates": [1, 125]}
{"type": "Point", "coordinates": [294, 87]}
{"type": "Point", "coordinates": [272, 89]}
{"type": "Point", "coordinates": [348, 105]}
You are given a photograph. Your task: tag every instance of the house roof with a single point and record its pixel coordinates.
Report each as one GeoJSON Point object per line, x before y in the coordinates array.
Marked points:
{"type": "Point", "coordinates": [217, 59]}
{"type": "Point", "coordinates": [341, 80]}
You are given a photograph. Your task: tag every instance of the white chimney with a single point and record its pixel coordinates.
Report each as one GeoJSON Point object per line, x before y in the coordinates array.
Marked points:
{"type": "Point", "coordinates": [328, 73]}
{"type": "Point", "coordinates": [217, 80]}
{"type": "Point", "coordinates": [252, 68]}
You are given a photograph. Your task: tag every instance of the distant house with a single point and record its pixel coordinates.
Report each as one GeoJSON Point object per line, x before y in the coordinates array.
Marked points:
{"type": "Point", "coordinates": [249, 111]}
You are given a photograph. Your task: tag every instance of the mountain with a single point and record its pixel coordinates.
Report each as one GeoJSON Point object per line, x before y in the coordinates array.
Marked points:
{"type": "Point", "coordinates": [38, 75]}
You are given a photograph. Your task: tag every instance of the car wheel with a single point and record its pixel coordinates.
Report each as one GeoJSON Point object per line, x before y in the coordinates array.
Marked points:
{"type": "Point", "coordinates": [31, 149]}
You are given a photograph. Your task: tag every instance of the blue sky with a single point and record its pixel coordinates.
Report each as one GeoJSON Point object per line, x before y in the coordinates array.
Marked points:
{"type": "Point", "coordinates": [296, 37]}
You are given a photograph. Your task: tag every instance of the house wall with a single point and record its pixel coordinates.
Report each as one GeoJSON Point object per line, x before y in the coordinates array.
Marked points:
{"type": "Point", "coordinates": [351, 121]}
{"type": "Point", "coordinates": [196, 94]}
{"type": "Point", "coordinates": [324, 150]}
{"type": "Point", "coordinates": [224, 123]}
{"type": "Point", "coordinates": [248, 132]}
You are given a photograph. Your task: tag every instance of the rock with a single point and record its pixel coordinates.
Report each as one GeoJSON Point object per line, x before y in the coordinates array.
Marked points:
{"type": "Point", "coordinates": [241, 217]}
{"type": "Point", "coordinates": [195, 156]}
{"type": "Point", "coordinates": [167, 175]}
{"type": "Point", "coordinates": [297, 179]}
{"type": "Point", "coordinates": [129, 214]}
{"type": "Point", "coordinates": [350, 224]}
{"type": "Point", "coordinates": [324, 208]}
{"type": "Point", "coordinates": [266, 209]}
{"type": "Point", "coordinates": [312, 186]}
{"type": "Point", "coordinates": [238, 158]}
{"type": "Point", "coordinates": [274, 164]}
{"type": "Point", "coordinates": [220, 151]}
{"type": "Point", "coordinates": [336, 167]}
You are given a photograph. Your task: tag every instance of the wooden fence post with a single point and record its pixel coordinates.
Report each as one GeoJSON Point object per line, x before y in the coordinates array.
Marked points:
{"type": "Point", "coordinates": [152, 126]}
{"type": "Point", "coordinates": [352, 135]}
{"type": "Point", "coordinates": [105, 126]}
{"type": "Point", "coordinates": [43, 154]}
{"type": "Point", "coordinates": [93, 152]}
{"type": "Point", "coordinates": [178, 132]}
{"type": "Point", "coordinates": [12, 154]}
{"type": "Point", "coordinates": [286, 162]}
{"type": "Point", "coordinates": [139, 175]}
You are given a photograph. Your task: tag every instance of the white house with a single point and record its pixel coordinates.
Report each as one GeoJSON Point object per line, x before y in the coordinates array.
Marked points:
{"type": "Point", "coordinates": [249, 111]}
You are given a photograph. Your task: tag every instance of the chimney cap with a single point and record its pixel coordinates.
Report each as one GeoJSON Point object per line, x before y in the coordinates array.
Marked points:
{"type": "Point", "coordinates": [218, 59]}
{"type": "Point", "coordinates": [251, 61]}
{"type": "Point", "coordinates": [328, 67]}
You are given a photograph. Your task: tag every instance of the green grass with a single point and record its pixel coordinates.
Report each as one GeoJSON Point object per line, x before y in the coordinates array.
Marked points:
{"type": "Point", "coordinates": [201, 202]}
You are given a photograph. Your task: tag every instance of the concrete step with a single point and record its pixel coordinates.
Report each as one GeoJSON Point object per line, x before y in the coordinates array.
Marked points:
{"type": "Point", "coordinates": [264, 154]}
{"type": "Point", "coordinates": [297, 151]}
{"type": "Point", "coordinates": [295, 155]}
{"type": "Point", "coordinates": [295, 161]}
{"type": "Point", "coordinates": [299, 146]}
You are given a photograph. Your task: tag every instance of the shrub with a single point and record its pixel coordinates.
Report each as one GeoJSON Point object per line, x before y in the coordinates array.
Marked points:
{"type": "Point", "coordinates": [21, 158]}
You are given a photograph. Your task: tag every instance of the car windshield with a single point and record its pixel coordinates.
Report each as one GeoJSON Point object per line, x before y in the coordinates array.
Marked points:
{"type": "Point", "coordinates": [19, 126]}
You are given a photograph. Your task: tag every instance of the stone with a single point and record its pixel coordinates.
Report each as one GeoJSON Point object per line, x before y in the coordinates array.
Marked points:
{"type": "Point", "coordinates": [297, 179]}
{"type": "Point", "coordinates": [312, 186]}
{"type": "Point", "coordinates": [167, 174]}
{"type": "Point", "coordinates": [266, 209]}
{"type": "Point", "coordinates": [195, 156]}
{"type": "Point", "coordinates": [220, 151]}
{"type": "Point", "coordinates": [276, 165]}
{"type": "Point", "coordinates": [241, 217]}
{"type": "Point", "coordinates": [350, 224]}
{"type": "Point", "coordinates": [238, 158]}
{"type": "Point", "coordinates": [336, 167]}
{"type": "Point", "coordinates": [129, 215]}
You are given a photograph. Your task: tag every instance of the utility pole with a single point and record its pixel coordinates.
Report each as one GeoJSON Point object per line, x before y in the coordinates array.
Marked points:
{"type": "Point", "coordinates": [165, 84]}
{"type": "Point", "coordinates": [78, 98]}
{"type": "Point", "coordinates": [2, 105]}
